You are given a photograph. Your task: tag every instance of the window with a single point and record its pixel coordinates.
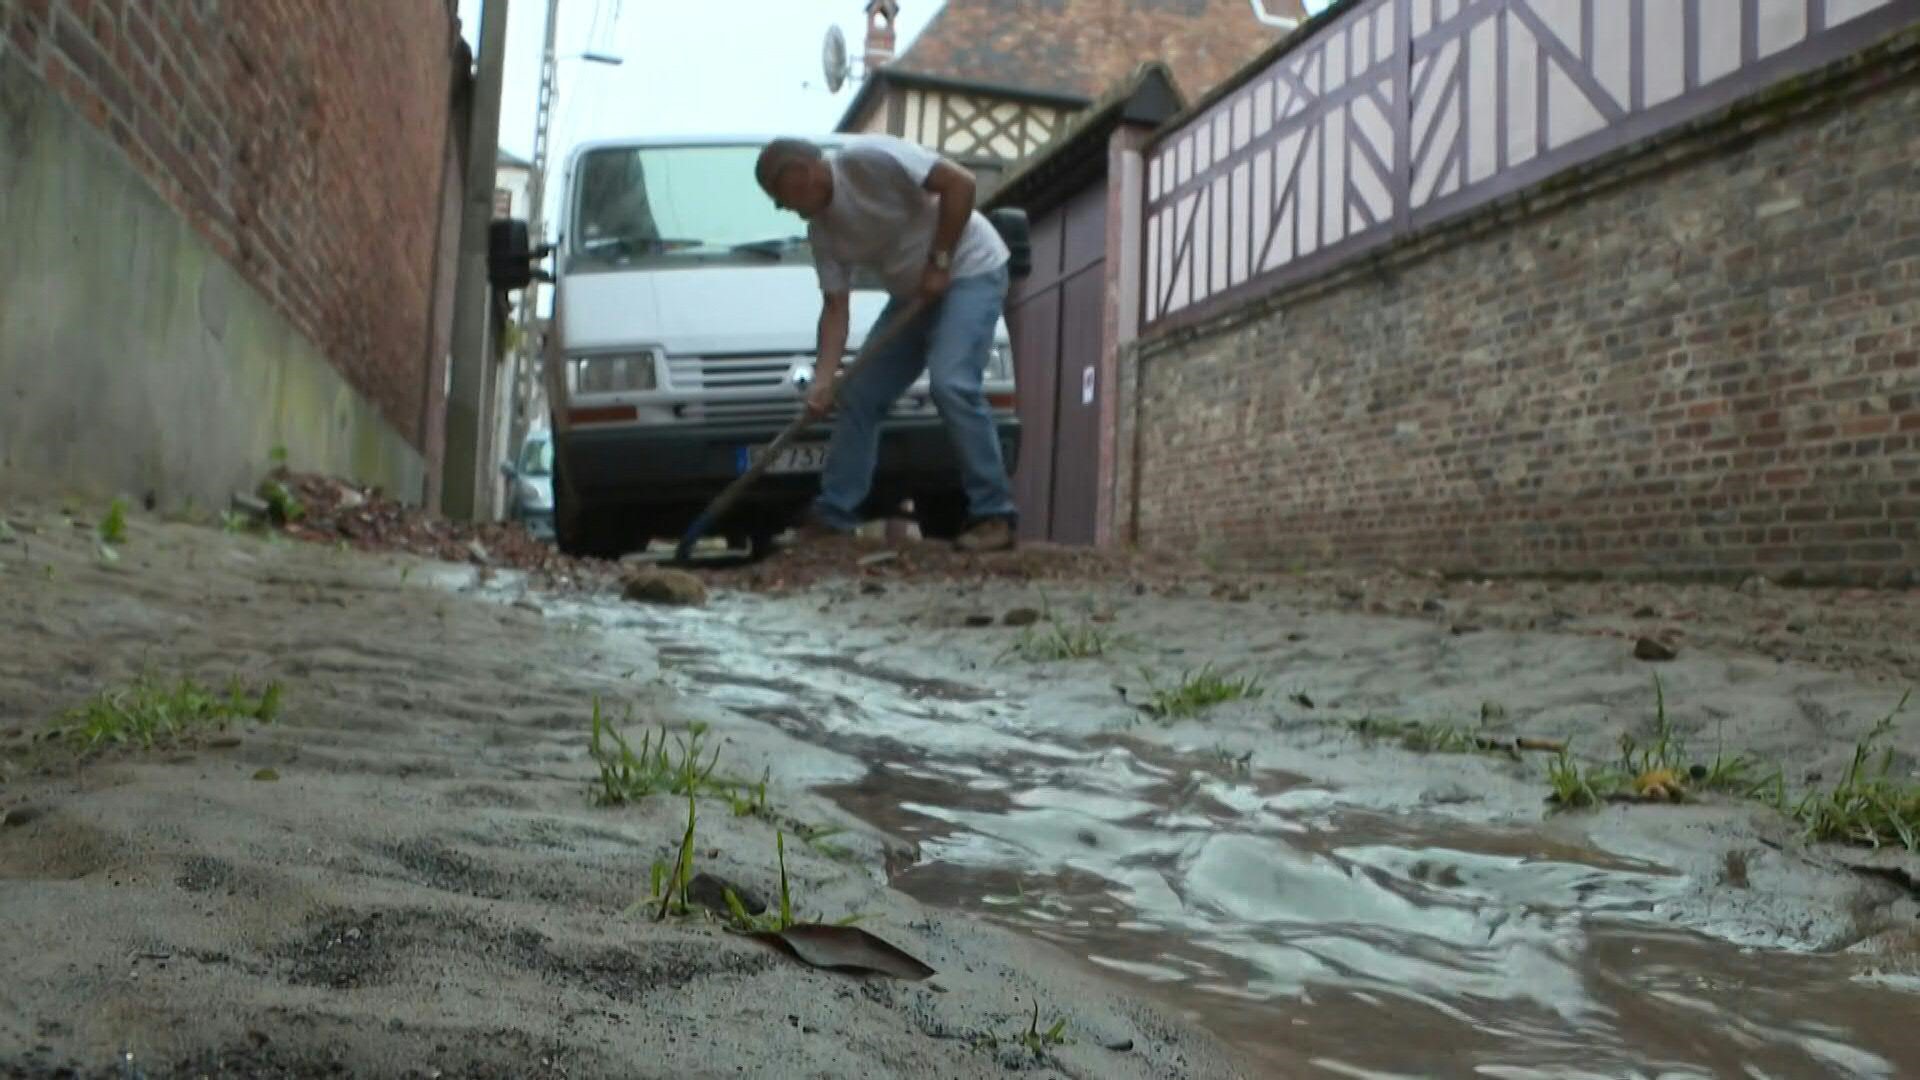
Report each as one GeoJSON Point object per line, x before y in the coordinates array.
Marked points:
{"type": "Point", "coordinates": [679, 204]}
{"type": "Point", "coordinates": [536, 457]}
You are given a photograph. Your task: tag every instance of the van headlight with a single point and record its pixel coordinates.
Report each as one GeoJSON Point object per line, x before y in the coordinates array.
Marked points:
{"type": "Point", "coordinates": [614, 373]}
{"type": "Point", "coordinates": [1000, 364]}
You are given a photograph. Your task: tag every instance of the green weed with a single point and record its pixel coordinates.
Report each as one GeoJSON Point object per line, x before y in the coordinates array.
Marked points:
{"type": "Point", "coordinates": [1576, 787]}
{"type": "Point", "coordinates": [1866, 806]}
{"type": "Point", "coordinates": [774, 921]}
{"type": "Point", "coordinates": [1039, 1041]}
{"type": "Point", "coordinates": [282, 504]}
{"type": "Point", "coordinates": [1196, 692]}
{"type": "Point", "coordinates": [113, 527]}
{"type": "Point", "coordinates": [151, 712]}
{"type": "Point", "coordinates": [665, 885]}
{"type": "Point", "coordinates": [1083, 641]}
{"type": "Point", "coordinates": [1428, 737]}
{"type": "Point", "coordinates": [668, 765]}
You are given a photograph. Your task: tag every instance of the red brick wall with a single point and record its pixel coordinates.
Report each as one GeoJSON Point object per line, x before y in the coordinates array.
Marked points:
{"type": "Point", "coordinates": [1703, 361]}
{"type": "Point", "coordinates": [304, 139]}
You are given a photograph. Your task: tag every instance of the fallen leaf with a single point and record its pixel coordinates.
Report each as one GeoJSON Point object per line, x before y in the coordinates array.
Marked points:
{"type": "Point", "coordinates": [266, 774]}
{"type": "Point", "coordinates": [845, 948]}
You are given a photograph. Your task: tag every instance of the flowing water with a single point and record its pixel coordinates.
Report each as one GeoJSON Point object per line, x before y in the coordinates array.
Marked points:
{"type": "Point", "coordinates": [1318, 934]}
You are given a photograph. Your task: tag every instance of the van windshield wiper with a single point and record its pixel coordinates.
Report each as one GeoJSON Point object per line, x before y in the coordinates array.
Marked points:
{"type": "Point", "coordinates": [774, 247]}
{"type": "Point", "coordinates": [642, 243]}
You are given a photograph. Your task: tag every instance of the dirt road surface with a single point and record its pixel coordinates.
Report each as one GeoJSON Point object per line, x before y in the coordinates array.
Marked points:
{"type": "Point", "coordinates": [406, 873]}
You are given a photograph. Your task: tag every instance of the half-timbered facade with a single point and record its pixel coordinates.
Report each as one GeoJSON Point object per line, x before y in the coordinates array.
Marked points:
{"type": "Point", "coordinates": [990, 82]}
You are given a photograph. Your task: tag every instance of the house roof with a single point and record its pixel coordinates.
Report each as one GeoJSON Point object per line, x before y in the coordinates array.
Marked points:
{"type": "Point", "coordinates": [1147, 96]}
{"type": "Point", "coordinates": [509, 160]}
{"type": "Point", "coordinates": [1082, 47]}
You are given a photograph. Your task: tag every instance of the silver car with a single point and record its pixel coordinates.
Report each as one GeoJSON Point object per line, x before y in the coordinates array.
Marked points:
{"type": "Point", "coordinates": [530, 485]}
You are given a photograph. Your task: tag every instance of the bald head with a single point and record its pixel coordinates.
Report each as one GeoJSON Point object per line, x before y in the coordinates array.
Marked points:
{"type": "Point", "coordinates": [780, 153]}
{"type": "Point", "coordinates": [794, 173]}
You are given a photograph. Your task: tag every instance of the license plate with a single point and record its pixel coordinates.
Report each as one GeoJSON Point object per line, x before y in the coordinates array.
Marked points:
{"type": "Point", "coordinates": [799, 458]}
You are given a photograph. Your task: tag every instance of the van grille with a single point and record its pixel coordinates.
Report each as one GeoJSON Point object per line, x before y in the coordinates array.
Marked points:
{"type": "Point", "coordinates": [751, 389]}
{"type": "Point", "coordinates": [730, 372]}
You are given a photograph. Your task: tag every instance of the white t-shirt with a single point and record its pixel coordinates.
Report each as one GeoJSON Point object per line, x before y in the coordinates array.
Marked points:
{"type": "Point", "coordinates": [882, 219]}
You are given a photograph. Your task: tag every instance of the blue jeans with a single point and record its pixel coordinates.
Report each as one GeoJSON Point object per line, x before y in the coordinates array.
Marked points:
{"type": "Point", "coordinates": [952, 341]}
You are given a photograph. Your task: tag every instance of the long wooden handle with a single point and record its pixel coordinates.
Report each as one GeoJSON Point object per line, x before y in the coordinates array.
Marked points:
{"type": "Point", "coordinates": [728, 496]}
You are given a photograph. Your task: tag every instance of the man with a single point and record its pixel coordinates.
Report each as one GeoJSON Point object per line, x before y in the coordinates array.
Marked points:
{"type": "Point", "coordinates": [889, 206]}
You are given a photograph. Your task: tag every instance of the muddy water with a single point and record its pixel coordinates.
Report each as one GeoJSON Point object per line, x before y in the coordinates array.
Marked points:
{"type": "Point", "coordinates": [1294, 922]}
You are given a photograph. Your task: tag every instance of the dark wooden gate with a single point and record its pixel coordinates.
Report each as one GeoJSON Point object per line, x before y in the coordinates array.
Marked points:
{"type": "Point", "coordinates": [1057, 316]}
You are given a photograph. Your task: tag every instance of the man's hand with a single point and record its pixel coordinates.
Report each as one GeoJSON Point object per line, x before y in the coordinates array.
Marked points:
{"type": "Point", "coordinates": [933, 283]}
{"type": "Point", "coordinates": [820, 398]}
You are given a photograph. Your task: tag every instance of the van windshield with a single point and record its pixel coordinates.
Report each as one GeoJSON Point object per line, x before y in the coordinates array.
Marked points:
{"type": "Point", "coordinates": [654, 206]}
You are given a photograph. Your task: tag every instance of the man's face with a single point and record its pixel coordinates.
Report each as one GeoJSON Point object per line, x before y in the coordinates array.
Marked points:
{"type": "Point", "coordinates": [804, 187]}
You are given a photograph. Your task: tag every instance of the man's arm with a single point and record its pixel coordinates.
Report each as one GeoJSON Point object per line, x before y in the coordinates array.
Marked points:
{"type": "Point", "coordinates": [955, 188]}
{"type": "Point", "coordinates": [835, 318]}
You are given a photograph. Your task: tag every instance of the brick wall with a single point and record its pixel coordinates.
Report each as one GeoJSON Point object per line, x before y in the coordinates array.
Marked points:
{"type": "Point", "coordinates": [304, 139]}
{"type": "Point", "coordinates": [1700, 358]}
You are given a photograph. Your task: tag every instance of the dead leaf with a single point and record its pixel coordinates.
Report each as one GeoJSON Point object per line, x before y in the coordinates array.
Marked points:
{"type": "Point", "coordinates": [266, 774]}
{"type": "Point", "coordinates": [845, 948]}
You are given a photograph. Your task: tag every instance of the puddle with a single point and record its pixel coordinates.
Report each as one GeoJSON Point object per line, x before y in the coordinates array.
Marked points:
{"type": "Point", "coordinates": [1299, 925]}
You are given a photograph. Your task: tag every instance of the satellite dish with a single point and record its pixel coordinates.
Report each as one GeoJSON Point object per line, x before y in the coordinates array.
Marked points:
{"type": "Point", "coordinates": [833, 59]}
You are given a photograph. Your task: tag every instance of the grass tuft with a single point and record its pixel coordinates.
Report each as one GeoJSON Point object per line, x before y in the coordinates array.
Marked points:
{"type": "Point", "coordinates": [670, 765]}
{"type": "Point", "coordinates": [1082, 641]}
{"type": "Point", "coordinates": [152, 712]}
{"type": "Point", "coordinates": [1867, 806]}
{"type": "Point", "coordinates": [113, 527]}
{"type": "Point", "coordinates": [1196, 692]}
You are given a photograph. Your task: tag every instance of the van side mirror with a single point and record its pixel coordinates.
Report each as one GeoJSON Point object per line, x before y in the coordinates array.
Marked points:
{"type": "Point", "coordinates": [511, 255]}
{"type": "Point", "coordinates": [1012, 225]}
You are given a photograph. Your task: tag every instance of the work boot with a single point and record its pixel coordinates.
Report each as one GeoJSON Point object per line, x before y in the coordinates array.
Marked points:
{"type": "Point", "coordinates": [987, 534]}
{"type": "Point", "coordinates": [812, 528]}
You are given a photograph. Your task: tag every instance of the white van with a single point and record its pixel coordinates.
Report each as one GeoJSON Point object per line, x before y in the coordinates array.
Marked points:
{"type": "Point", "coordinates": [685, 311]}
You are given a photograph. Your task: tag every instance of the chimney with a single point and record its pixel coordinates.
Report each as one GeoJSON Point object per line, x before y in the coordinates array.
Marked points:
{"type": "Point", "coordinates": [880, 17]}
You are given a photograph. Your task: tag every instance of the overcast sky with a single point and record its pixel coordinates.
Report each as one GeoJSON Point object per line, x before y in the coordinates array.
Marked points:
{"type": "Point", "coordinates": [733, 67]}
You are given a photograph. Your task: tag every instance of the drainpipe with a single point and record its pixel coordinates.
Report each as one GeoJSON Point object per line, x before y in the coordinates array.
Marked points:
{"type": "Point", "coordinates": [467, 398]}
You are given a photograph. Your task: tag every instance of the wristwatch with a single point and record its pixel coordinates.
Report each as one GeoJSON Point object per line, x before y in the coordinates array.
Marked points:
{"type": "Point", "coordinates": [941, 260]}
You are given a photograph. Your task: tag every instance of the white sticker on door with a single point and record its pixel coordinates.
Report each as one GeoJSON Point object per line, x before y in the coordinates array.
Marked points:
{"type": "Point", "coordinates": [1086, 385]}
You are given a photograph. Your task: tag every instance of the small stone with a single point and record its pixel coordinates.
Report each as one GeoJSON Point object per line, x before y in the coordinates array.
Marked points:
{"type": "Point", "coordinates": [250, 505]}
{"type": "Point", "coordinates": [1118, 1046]}
{"type": "Point", "coordinates": [525, 604]}
{"type": "Point", "coordinates": [873, 588]}
{"type": "Point", "coordinates": [710, 891]}
{"type": "Point", "coordinates": [223, 742]}
{"type": "Point", "coordinates": [1796, 628]}
{"type": "Point", "coordinates": [1653, 651]}
{"type": "Point", "coordinates": [1464, 628]}
{"type": "Point", "coordinates": [660, 586]}
{"type": "Point", "coordinates": [1433, 606]}
{"type": "Point", "coordinates": [977, 621]}
{"type": "Point", "coordinates": [878, 558]}
{"type": "Point", "coordinates": [16, 816]}
{"type": "Point", "coordinates": [478, 552]}
{"type": "Point", "coordinates": [1021, 617]}
{"type": "Point", "coordinates": [266, 774]}
{"type": "Point", "coordinates": [1296, 636]}
{"type": "Point", "coordinates": [1352, 596]}
{"type": "Point", "coordinates": [1646, 613]}
{"type": "Point", "coordinates": [1755, 586]}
